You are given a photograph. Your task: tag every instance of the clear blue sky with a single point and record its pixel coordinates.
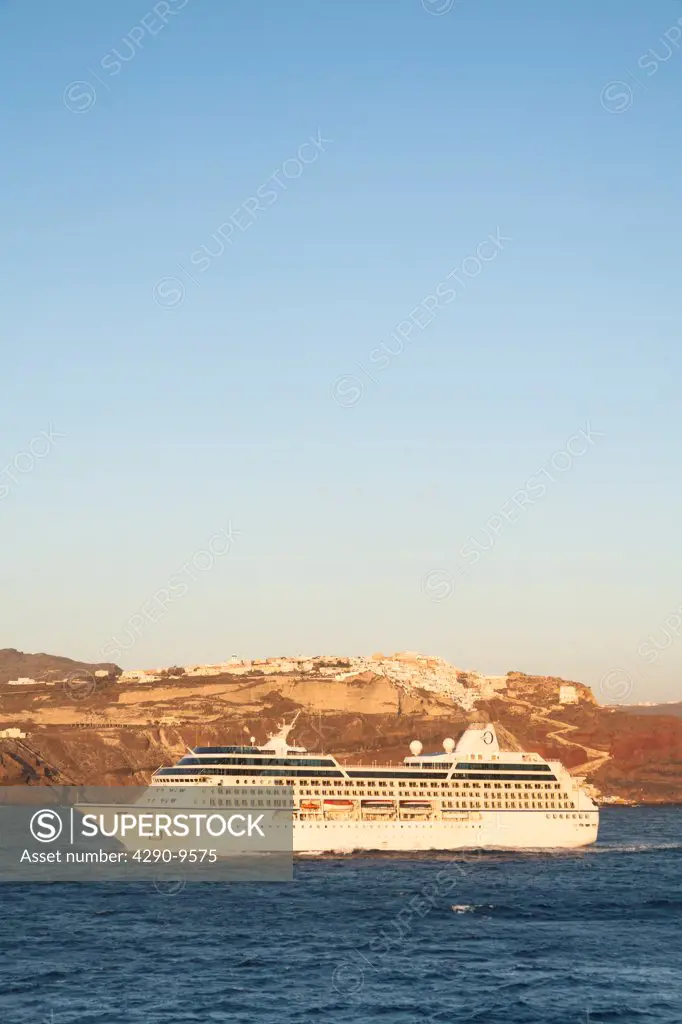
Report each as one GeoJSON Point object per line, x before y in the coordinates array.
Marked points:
{"type": "Point", "coordinates": [227, 407]}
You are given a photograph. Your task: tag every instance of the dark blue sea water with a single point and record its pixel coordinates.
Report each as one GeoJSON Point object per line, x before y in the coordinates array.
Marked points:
{"type": "Point", "coordinates": [573, 938]}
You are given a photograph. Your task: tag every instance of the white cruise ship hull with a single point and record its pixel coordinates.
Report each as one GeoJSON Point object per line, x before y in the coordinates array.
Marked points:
{"type": "Point", "coordinates": [497, 830]}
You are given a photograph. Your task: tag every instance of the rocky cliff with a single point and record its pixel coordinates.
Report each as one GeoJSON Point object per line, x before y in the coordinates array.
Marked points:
{"type": "Point", "coordinates": [64, 721]}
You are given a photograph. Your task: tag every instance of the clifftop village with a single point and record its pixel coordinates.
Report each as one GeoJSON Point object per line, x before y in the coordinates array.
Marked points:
{"type": "Point", "coordinates": [407, 669]}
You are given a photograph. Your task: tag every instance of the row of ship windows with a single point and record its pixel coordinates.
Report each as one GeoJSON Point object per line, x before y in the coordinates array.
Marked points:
{"type": "Point", "coordinates": [362, 788]}
{"type": "Point", "coordinates": [585, 824]}
{"type": "Point", "coordinates": [430, 786]}
{"type": "Point", "coordinates": [482, 805]}
{"type": "Point", "coordinates": [231, 750]}
{"type": "Point", "coordinates": [247, 802]}
{"type": "Point", "coordinates": [265, 762]}
{"type": "Point", "coordinates": [507, 804]}
{"type": "Point", "coordinates": [442, 775]}
{"type": "Point", "coordinates": [201, 768]}
{"type": "Point", "coordinates": [434, 788]}
{"type": "Point", "coordinates": [506, 767]}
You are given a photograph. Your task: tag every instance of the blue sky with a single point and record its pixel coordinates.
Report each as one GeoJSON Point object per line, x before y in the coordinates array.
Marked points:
{"type": "Point", "coordinates": [258, 402]}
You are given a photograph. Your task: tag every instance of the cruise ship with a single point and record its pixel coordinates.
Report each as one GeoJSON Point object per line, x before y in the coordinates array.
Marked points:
{"type": "Point", "coordinates": [471, 794]}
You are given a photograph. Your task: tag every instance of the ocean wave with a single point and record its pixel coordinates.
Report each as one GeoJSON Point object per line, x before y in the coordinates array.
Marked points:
{"type": "Point", "coordinates": [630, 848]}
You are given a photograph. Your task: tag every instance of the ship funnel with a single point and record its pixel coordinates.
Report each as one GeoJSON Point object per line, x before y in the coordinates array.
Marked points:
{"type": "Point", "coordinates": [478, 739]}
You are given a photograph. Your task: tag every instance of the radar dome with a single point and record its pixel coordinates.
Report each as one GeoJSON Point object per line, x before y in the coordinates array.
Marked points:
{"type": "Point", "coordinates": [416, 748]}
{"type": "Point", "coordinates": [448, 745]}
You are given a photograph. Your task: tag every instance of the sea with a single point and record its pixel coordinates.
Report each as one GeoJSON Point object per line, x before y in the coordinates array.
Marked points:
{"type": "Point", "coordinates": [574, 937]}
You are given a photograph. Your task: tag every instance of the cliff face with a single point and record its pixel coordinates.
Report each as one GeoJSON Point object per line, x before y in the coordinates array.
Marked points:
{"type": "Point", "coordinates": [96, 724]}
